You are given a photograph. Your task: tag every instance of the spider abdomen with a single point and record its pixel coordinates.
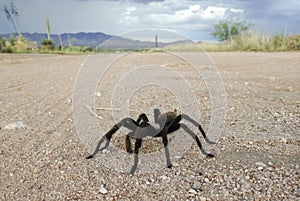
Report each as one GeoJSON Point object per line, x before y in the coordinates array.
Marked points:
{"type": "Point", "coordinates": [167, 117]}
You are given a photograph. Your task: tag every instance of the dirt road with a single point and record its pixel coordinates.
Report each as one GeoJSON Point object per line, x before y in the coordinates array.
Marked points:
{"type": "Point", "coordinates": [257, 155]}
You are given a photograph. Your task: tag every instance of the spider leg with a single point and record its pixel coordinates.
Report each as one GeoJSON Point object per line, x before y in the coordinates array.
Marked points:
{"type": "Point", "coordinates": [142, 117]}
{"type": "Point", "coordinates": [126, 122]}
{"type": "Point", "coordinates": [167, 152]}
{"type": "Point", "coordinates": [188, 118]}
{"type": "Point", "coordinates": [194, 136]}
{"type": "Point", "coordinates": [128, 142]}
{"type": "Point", "coordinates": [97, 149]}
{"type": "Point", "coordinates": [142, 120]}
{"type": "Point", "coordinates": [138, 144]}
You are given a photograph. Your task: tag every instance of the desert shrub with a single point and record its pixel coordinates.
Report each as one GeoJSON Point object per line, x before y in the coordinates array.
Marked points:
{"type": "Point", "coordinates": [47, 44]}
{"type": "Point", "coordinates": [8, 49]}
{"type": "Point", "coordinates": [293, 42]}
{"type": "Point", "coordinates": [12, 40]}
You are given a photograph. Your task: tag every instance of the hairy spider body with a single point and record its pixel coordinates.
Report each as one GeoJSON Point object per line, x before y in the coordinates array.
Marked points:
{"type": "Point", "coordinates": [168, 123]}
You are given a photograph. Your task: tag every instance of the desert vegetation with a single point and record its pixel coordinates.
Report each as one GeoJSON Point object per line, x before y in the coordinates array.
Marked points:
{"type": "Point", "coordinates": [236, 35]}
{"type": "Point", "coordinates": [232, 35]}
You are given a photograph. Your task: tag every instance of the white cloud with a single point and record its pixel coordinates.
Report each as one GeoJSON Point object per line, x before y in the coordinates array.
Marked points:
{"type": "Point", "coordinates": [234, 10]}
{"type": "Point", "coordinates": [185, 17]}
{"type": "Point", "coordinates": [212, 12]}
{"type": "Point", "coordinates": [194, 8]}
{"type": "Point", "coordinates": [128, 17]}
{"type": "Point", "coordinates": [129, 20]}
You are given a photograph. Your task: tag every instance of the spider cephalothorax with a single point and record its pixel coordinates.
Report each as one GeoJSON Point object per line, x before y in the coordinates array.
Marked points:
{"type": "Point", "coordinates": [168, 123]}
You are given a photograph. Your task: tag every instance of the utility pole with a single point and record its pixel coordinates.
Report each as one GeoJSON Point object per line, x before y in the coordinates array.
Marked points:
{"type": "Point", "coordinates": [156, 43]}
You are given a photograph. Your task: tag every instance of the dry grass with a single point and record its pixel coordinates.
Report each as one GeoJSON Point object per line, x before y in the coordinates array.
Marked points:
{"type": "Point", "coordinates": [251, 41]}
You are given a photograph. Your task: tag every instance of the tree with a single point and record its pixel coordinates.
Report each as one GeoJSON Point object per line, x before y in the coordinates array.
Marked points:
{"type": "Point", "coordinates": [229, 29]}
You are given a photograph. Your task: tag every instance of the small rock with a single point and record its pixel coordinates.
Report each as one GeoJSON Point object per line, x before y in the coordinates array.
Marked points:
{"type": "Point", "coordinates": [192, 191]}
{"type": "Point", "coordinates": [290, 89]}
{"type": "Point", "coordinates": [250, 142]}
{"type": "Point", "coordinates": [36, 170]}
{"type": "Point", "coordinates": [260, 164]}
{"type": "Point", "coordinates": [103, 191]}
{"type": "Point", "coordinates": [164, 177]}
{"type": "Point", "coordinates": [202, 198]}
{"type": "Point", "coordinates": [196, 185]}
{"type": "Point", "coordinates": [260, 168]}
{"type": "Point", "coordinates": [15, 125]}
{"type": "Point", "coordinates": [199, 172]}
{"type": "Point", "coordinates": [98, 94]}
{"type": "Point", "coordinates": [283, 140]}
{"type": "Point", "coordinates": [206, 180]}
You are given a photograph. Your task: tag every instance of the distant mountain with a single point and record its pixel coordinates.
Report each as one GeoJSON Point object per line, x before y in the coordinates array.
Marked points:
{"type": "Point", "coordinates": [77, 39]}
{"type": "Point", "coordinates": [92, 40]}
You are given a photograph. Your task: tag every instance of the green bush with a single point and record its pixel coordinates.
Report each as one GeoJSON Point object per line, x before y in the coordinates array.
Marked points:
{"type": "Point", "coordinates": [230, 29]}
{"type": "Point", "coordinates": [293, 42]}
{"type": "Point", "coordinates": [7, 50]}
{"type": "Point", "coordinates": [47, 44]}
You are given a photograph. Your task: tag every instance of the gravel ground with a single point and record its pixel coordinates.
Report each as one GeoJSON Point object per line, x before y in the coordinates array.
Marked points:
{"type": "Point", "coordinates": [257, 155]}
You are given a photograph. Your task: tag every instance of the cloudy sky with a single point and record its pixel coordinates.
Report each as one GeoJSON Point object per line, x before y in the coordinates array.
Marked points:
{"type": "Point", "coordinates": [192, 18]}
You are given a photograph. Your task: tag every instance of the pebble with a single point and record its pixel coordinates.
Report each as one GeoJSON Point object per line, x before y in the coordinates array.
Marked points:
{"type": "Point", "coordinates": [98, 94]}
{"type": "Point", "coordinates": [36, 170]}
{"type": "Point", "coordinates": [103, 191]}
{"type": "Point", "coordinates": [260, 168]}
{"type": "Point", "coordinates": [197, 185]}
{"type": "Point", "coordinates": [164, 177]}
{"type": "Point", "coordinates": [260, 164]}
{"type": "Point", "coordinates": [206, 180]}
{"type": "Point", "coordinates": [202, 198]}
{"type": "Point", "coordinates": [15, 125]}
{"type": "Point", "coordinates": [283, 140]}
{"type": "Point", "coordinates": [290, 89]}
{"type": "Point", "coordinates": [192, 191]}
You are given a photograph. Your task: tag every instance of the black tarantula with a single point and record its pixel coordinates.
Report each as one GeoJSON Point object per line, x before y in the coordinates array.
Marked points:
{"type": "Point", "coordinates": [168, 123]}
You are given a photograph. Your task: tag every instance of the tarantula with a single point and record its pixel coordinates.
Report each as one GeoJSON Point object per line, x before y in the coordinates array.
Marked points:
{"type": "Point", "coordinates": [168, 123]}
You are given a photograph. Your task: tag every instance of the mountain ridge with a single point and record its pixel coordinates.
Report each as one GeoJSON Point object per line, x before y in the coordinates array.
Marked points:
{"type": "Point", "coordinates": [91, 39]}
